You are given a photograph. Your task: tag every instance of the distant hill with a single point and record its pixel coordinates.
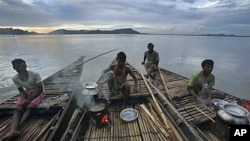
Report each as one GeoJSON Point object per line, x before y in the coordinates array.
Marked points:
{"type": "Point", "coordinates": [11, 31]}
{"type": "Point", "coordinates": [117, 31]}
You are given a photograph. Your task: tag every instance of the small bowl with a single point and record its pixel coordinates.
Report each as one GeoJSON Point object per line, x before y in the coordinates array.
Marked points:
{"type": "Point", "coordinates": [129, 114]}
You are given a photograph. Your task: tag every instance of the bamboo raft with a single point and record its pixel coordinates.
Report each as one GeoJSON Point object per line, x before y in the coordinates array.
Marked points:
{"type": "Point", "coordinates": [45, 121]}
{"type": "Point", "coordinates": [152, 122]}
{"type": "Point", "coordinates": [195, 119]}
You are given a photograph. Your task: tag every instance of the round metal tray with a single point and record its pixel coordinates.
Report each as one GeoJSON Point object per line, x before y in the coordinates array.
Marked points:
{"type": "Point", "coordinates": [236, 110]}
{"type": "Point", "coordinates": [219, 102]}
{"type": "Point", "coordinates": [90, 85]}
{"type": "Point", "coordinates": [129, 114]}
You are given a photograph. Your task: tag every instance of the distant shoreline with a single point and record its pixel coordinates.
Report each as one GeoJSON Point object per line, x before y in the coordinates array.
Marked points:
{"type": "Point", "coordinates": [11, 31]}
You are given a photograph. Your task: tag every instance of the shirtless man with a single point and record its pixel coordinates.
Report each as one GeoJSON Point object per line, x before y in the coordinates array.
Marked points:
{"type": "Point", "coordinates": [31, 92]}
{"type": "Point", "coordinates": [118, 85]}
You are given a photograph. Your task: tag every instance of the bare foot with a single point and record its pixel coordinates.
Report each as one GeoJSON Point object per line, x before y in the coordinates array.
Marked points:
{"type": "Point", "coordinates": [11, 135]}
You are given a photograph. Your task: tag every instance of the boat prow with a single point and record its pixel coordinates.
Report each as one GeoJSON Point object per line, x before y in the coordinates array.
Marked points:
{"type": "Point", "coordinates": [47, 119]}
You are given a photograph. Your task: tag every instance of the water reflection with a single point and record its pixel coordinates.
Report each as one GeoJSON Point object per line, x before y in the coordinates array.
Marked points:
{"type": "Point", "coordinates": [182, 54]}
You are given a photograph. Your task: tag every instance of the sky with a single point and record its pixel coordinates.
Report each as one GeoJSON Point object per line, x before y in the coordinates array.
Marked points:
{"type": "Point", "coordinates": [144, 16]}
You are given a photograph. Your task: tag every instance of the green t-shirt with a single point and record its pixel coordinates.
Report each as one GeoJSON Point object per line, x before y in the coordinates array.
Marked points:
{"type": "Point", "coordinates": [198, 76]}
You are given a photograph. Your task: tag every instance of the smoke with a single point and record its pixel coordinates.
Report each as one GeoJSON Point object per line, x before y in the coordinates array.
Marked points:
{"type": "Point", "coordinates": [83, 101]}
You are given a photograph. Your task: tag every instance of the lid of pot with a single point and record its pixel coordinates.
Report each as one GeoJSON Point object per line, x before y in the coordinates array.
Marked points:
{"type": "Point", "coordinates": [90, 85]}
{"type": "Point", "coordinates": [235, 110]}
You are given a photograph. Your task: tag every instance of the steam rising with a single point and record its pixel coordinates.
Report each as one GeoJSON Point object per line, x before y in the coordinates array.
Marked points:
{"type": "Point", "coordinates": [83, 101]}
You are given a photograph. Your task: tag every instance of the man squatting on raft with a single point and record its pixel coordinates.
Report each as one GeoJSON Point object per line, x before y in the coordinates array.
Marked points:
{"type": "Point", "coordinates": [117, 82]}
{"type": "Point", "coordinates": [152, 57]}
{"type": "Point", "coordinates": [30, 87]}
{"type": "Point", "coordinates": [201, 83]}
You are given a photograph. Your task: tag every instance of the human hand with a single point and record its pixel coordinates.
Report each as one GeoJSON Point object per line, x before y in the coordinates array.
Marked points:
{"type": "Point", "coordinates": [143, 63]}
{"type": "Point", "coordinates": [25, 102]}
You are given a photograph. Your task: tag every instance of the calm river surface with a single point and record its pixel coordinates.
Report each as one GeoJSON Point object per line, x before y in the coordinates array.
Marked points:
{"type": "Point", "coordinates": [180, 54]}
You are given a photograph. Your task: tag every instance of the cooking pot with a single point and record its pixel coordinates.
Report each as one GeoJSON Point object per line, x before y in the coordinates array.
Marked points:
{"type": "Point", "coordinates": [94, 91]}
{"type": "Point", "coordinates": [90, 88]}
{"type": "Point", "coordinates": [99, 113]}
{"type": "Point", "coordinates": [230, 119]}
{"type": "Point", "coordinates": [233, 114]}
{"type": "Point", "coordinates": [100, 105]}
{"type": "Point", "coordinates": [229, 112]}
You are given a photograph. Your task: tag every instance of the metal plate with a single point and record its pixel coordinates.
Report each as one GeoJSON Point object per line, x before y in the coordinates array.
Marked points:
{"type": "Point", "coordinates": [129, 114]}
{"type": "Point", "coordinates": [90, 85]}
{"type": "Point", "coordinates": [219, 102]}
{"type": "Point", "coordinates": [235, 110]}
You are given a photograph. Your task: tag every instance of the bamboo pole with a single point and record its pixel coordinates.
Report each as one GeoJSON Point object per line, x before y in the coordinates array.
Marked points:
{"type": "Point", "coordinates": [149, 128]}
{"type": "Point", "coordinates": [159, 108]}
{"type": "Point", "coordinates": [167, 102]}
{"type": "Point", "coordinates": [141, 120]}
{"type": "Point", "coordinates": [177, 135]}
{"type": "Point", "coordinates": [91, 59]}
{"type": "Point", "coordinates": [78, 127]}
{"type": "Point", "coordinates": [205, 114]}
{"type": "Point", "coordinates": [165, 85]}
{"type": "Point", "coordinates": [154, 99]}
{"type": "Point", "coordinates": [155, 121]}
{"type": "Point", "coordinates": [43, 131]}
{"type": "Point", "coordinates": [155, 133]}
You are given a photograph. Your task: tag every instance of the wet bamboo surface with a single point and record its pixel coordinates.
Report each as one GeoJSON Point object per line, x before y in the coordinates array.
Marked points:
{"type": "Point", "coordinates": [197, 114]}
{"type": "Point", "coordinates": [38, 126]}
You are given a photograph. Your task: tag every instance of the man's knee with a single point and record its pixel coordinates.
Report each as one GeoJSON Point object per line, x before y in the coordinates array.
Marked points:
{"type": "Point", "coordinates": [126, 88]}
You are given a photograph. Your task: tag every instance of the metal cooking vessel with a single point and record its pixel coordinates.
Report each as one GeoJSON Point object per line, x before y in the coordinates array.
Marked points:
{"type": "Point", "coordinates": [90, 88]}
{"type": "Point", "coordinates": [100, 105]}
{"type": "Point", "coordinates": [94, 91]}
{"type": "Point", "coordinates": [229, 119]}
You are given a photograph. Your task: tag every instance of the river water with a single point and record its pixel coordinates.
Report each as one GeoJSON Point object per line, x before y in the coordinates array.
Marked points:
{"type": "Point", "coordinates": [180, 54]}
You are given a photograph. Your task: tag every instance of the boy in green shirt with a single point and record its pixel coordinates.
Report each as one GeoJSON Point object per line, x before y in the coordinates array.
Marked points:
{"type": "Point", "coordinates": [201, 83]}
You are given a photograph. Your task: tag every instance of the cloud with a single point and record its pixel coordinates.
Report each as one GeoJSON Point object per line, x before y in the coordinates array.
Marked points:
{"type": "Point", "coordinates": [154, 16]}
